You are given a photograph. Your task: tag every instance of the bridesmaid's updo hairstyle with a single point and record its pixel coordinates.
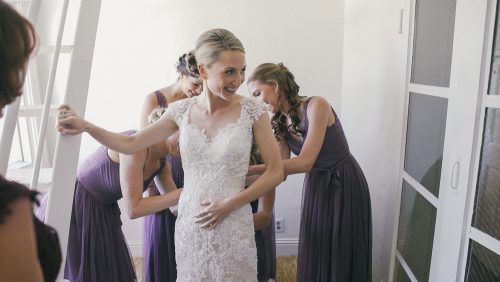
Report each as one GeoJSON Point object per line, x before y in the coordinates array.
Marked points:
{"type": "Point", "coordinates": [287, 88]}
{"type": "Point", "coordinates": [187, 65]}
{"type": "Point", "coordinates": [17, 42]}
{"type": "Point", "coordinates": [213, 42]}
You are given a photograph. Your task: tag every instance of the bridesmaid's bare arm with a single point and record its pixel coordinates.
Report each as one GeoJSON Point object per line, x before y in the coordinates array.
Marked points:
{"type": "Point", "coordinates": [150, 103]}
{"type": "Point", "coordinates": [164, 180]}
{"type": "Point", "coordinates": [131, 181]}
{"type": "Point", "coordinates": [254, 171]}
{"type": "Point", "coordinates": [320, 116]}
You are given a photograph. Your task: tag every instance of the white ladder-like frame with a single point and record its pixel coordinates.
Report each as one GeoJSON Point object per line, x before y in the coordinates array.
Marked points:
{"type": "Point", "coordinates": [60, 195]}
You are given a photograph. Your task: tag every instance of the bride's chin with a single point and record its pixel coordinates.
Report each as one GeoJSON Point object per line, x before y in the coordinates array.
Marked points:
{"type": "Point", "coordinates": [227, 95]}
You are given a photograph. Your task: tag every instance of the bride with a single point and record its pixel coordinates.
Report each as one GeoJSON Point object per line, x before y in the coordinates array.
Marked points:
{"type": "Point", "coordinates": [214, 235]}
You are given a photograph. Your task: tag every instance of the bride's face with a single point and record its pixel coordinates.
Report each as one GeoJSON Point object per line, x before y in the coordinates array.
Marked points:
{"type": "Point", "coordinates": [224, 76]}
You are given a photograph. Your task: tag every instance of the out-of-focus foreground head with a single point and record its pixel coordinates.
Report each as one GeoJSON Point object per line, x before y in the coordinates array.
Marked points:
{"type": "Point", "coordinates": [17, 42]}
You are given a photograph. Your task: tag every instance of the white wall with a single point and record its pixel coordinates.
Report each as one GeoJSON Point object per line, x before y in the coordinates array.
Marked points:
{"type": "Point", "coordinates": [330, 48]}
{"type": "Point", "coordinates": [138, 43]}
{"type": "Point", "coordinates": [373, 91]}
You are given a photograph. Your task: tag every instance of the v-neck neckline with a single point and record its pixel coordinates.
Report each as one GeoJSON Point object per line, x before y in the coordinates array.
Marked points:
{"type": "Point", "coordinates": [203, 130]}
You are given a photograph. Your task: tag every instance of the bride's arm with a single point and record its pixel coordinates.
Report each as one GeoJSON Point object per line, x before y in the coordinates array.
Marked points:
{"type": "Point", "coordinates": [270, 153]}
{"type": "Point", "coordinates": [262, 218]}
{"type": "Point", "coordinates": [70, 123]}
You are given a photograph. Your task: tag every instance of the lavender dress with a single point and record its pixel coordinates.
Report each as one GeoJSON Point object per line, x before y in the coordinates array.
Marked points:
{"type": "Point", "coordinates": [335, 229]}
{"type": "Point", "coordinates": [265, 241]}
{"type": "Point", "coordinates": [97, 250]}
{"type": "Point", "coordinates": [159, 249]}
{"type": "Point", "coordinates": [265, 238]}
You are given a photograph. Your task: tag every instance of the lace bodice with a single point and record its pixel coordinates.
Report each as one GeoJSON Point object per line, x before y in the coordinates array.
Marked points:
{"type": "Point", "coordinates": [215, 168]}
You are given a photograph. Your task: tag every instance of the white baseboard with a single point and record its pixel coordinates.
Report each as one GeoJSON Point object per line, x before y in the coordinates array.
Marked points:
{"type": "Point", "coordinates": [287, 247]}
{"type": "Point", "coordinates": [284, 247]}
{"type": "Point", "coordinates": [135, 248]}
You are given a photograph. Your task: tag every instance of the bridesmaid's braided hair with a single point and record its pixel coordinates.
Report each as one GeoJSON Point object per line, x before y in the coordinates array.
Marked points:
{"type": "Point", "coordinates": [255, 157]}
{"type": "Point", "coordinates": [187, 65]}
{"type": "Point", "coordinates": [287, 87]}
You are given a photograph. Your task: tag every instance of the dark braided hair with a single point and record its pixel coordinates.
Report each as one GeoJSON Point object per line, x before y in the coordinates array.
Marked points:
{"type": "Point", "coordinates": [187, 65]}
{"type": "Point", "coordinates": [18, 40]}
{"type": "Point", "coordinates": [255, 157]}
{"type": "Point", "coordinates": [289, 89]}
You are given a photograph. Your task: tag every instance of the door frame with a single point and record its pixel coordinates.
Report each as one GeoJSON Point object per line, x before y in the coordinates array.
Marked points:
{"type": "Point", "coordinates": [462, 95]}
{"type": "Point", "coordinates": [484, 101]}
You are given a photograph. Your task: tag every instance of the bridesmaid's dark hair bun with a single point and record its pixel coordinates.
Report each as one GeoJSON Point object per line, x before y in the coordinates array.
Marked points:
{"type": "Point", "coordinates": [187, 65]}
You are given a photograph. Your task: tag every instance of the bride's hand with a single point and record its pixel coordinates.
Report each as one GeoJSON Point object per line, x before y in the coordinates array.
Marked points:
{"type": "Point", "coordinates": [213, 213]}
{"type": "Point", "coordinates": [68, 122]}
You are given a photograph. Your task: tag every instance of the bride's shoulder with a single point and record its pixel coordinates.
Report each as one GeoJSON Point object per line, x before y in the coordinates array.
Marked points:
{"type": "Point", "coordinates": [182, 103]}
{"type": "Point", "coordinates": [250, 101]}
{"type": "Point", "coordinates": [253, 106]}
{"type": "Point", "coordinates": [178, 109]}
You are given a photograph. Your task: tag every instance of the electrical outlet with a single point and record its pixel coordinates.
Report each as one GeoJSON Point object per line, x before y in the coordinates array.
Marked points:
{"type": "Point", "coordinates": [279, 225]}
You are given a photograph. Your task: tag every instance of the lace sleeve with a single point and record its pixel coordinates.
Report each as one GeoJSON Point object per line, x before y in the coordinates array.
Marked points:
{"type": "Point", "coordinates": [177, 110]}
{"type": "Point", "coordinates": [255, 108]}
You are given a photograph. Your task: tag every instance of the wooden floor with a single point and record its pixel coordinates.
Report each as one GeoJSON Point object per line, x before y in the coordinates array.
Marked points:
{"type": "Point", "coordinates": [285, 269]}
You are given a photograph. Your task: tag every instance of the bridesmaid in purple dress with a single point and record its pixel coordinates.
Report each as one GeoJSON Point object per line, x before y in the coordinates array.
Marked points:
{"type": "Point", "coordinates": [263, 219]}
{"type": "Point", "coordinates": [158, 247]}
{"type": "Point", "coordinates": [97, 250]}
{"type": "Point", "coordinates": [335, 228]}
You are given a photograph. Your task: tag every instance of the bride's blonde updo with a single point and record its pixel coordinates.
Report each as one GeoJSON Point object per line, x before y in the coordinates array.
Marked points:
{"type": "Point", "coordinates": [212, 42]}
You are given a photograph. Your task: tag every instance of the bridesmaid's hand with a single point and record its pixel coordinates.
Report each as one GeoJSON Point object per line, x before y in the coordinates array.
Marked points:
{"type": "Point", "coordinates": [213, 213]}
{"type": "Point", "coordinates": [251, 179]}
{"type": "Point", "coordinates": [256, 169]}
{"type": "Point", "coordinates": [68, 122]}
{"type": "Point", "coordinates": [173, 141]}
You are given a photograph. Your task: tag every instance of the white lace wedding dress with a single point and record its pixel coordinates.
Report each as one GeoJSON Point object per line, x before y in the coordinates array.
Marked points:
{"type": "Point", "coordinates": [215, 168]}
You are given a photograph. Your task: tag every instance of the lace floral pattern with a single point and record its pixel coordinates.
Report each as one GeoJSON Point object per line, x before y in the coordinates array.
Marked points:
{"type": "Point", "coordinates": [215, 168]}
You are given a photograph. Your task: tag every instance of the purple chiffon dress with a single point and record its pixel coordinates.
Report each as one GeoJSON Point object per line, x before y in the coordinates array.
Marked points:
{"type": "Point", "coordinates": [159, 248]}
{"type": "Point", "coordinates": [97, 250]}
{"type": "Point", "coordinates": [335, 241]}
{"type": "Point", "coordinates": [265, 241]}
